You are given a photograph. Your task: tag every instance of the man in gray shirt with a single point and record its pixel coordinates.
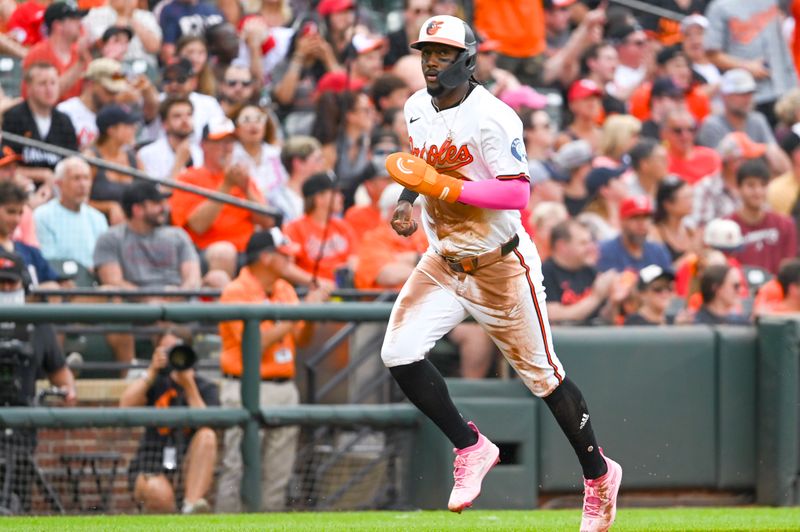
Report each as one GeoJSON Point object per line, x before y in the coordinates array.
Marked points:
{"type": "Point", "coordinates": [747, 35]}
{"type": "Point", "coordinates": [738, 88]}
{"type": "Point", "coordinates": [143, 252]}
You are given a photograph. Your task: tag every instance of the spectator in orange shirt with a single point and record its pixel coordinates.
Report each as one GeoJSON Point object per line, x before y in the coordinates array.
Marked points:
{"type": "Point", "coordinates": [518, 25]}
{"type": "Point", "coordinates": [64, 48]}
{"type": "Point", "coordinates": [220, 231]}
{"type": "Point", "coordinates": [780, 295]}
{"type": "Point", "coordinates": [327, 242]}
{"type": "Point", "coordinates": [261, 281]}
{"type": "Point", "coordinates": [386, 259]}
{"type": "Point", "coordinates": [685, 159]}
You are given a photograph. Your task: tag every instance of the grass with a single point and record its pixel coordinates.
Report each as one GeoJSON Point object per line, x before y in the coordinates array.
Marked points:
{"type": "Point", "coordinates": [673, 519]}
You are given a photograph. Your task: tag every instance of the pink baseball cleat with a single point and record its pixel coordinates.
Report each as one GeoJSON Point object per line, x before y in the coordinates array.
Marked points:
{"type": "Point", "coordinates": [470, 466]}
{"type": "Point", "coordinates": [600, 498]}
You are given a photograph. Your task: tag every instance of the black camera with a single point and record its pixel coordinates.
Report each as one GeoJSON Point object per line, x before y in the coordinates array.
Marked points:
{"type": "Point", "coordinates": [16, 357]}
{"type": "Point", "coordinates": [181, 357]}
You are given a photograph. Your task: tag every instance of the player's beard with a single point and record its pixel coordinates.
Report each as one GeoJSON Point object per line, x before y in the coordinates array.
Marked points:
{"type": "Point", "coordinates": [435, 90]}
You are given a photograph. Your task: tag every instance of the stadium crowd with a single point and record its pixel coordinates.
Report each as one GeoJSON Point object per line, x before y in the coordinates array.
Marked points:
{"type": "Point", "coordinates": [664, 159]}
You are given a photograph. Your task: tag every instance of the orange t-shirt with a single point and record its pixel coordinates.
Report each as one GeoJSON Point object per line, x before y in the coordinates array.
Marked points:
{"type": "Point", "coordinates": [340, 243]}
{"type": "Point", "coordinates": [233, 224]}
{"type": "Point", "coordinates": [696, 102]}
{"type": "Point", "coordinates": [363, 218]}
{"type": "Point", "coordinates": [518, 25]}
{"type": "Point", "coordinates": [380, 247]}
{"type": "Point", "coordinates": [42, 52]}
{"type": "Point", "coordinates": [769, 298]}
{"type": "Point", "coordinates": [277, 360]}
{"type": "Point", "coordinates": [701, 162]}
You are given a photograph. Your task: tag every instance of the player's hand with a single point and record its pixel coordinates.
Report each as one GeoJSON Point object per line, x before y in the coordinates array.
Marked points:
{"type": "Point", "coordinates": [415, 174]}
{"type": "Point", "coordinates": [402, 221]}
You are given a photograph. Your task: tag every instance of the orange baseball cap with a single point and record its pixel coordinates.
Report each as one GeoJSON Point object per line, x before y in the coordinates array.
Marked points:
{"type": "Point", "coordinates": [738, 144]}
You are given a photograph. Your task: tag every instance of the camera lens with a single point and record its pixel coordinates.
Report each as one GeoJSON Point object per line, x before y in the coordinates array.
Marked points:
{"type": "Point", "coordinates": [182, 357]}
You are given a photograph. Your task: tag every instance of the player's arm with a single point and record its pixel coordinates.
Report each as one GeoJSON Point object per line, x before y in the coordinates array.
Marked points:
{"type": "Point", "coordinates": [504, 192]}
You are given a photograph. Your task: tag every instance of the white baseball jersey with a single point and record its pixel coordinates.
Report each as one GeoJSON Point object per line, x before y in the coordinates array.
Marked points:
{"type": "Point", "coordinates": [478, 140]}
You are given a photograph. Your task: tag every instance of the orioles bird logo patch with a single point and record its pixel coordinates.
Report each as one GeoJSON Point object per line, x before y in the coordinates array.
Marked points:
{"type": "Point", "coordinates": [433, 27]}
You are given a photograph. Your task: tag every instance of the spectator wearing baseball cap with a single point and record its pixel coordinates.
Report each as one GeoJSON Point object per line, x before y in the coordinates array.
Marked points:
{"type": "Point", "coordinates": [738, 88]}
{"type": "Point", "coordinates": [764, 53]}
{"type": "Point", "coordinates": [63, 22]}
{"type": "Point", "coordinates": [178, 80]}
{"type": "Point", "coordinates": [574, 162]}
{"type": "Point", "coordinates": [606, 189]}
{"type": "Point", "coordinates": [327, 242]}
{"type": "Point", "coordinates": [662, 97]}
{"type": "Point", "coordinates": [263, 281]}
{"type": "Point", "coordinates": [141, 27]}
{"type": "Point", "coordinates": [219, 231]}
{"type": "Point", "coordinates": [585, 103]}
{"type": "Point", "coordinates": [693, 29]}
{"type": "Point", "coordinates": [116, 127]}
{"type": "Point", "coordinates": [632, 249]}
{"type": "Point", "coordinates": [717, 196]}
{"type": "Point", "coordinates": [655, 289]}
{"type": "Point", "coordinates": [631, 43]}
{"type": "Point", "coordinates": [103, 81]}
{"type": "Point", "coordinates": [496, 80]}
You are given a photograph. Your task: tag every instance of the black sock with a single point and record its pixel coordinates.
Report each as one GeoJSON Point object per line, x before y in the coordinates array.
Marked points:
{"type": "Point", "coordinates": [568, 407]}
{"type": "Point", "coordinates": [425, 387]}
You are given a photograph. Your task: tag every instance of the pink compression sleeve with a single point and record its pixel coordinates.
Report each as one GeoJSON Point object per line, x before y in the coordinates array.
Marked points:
{"type": "Point", "coordinates": [496, 193]}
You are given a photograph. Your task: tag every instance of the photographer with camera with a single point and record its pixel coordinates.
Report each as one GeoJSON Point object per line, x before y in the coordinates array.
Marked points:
{"type": "Point", "coordinates": [171, 382]}
{"type": "Point", "coordinates": [27, 352]}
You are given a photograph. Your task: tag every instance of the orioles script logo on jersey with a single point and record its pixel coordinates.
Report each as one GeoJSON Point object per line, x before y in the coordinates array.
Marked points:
{"type": "Point", "coordinates": [433, 27]}
{"type": "Point", "coordinates": [444, 158]}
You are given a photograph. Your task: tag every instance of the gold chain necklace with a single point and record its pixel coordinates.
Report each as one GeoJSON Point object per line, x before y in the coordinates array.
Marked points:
{"type": "Point", "coordinates": [455, 117]}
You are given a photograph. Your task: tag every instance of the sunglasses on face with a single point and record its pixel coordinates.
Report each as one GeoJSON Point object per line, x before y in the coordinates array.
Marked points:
{"type": "Point", "coordinates": [235, 82]}
{"type": "Point", "coordinates": [252, 119]}
{"type": "Point", "coordinates": [179, 79]}
{"type": "Point", "coordinates": [679, 130]}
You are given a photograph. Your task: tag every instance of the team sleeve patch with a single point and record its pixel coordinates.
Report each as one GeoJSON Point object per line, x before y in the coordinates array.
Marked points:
{"type": "Point", "coordinates": [518, 150]}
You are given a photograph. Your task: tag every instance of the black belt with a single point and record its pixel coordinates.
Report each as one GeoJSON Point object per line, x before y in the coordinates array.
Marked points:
{"type": "Point", "coordinates": [277, 380]}
{"type": "Point", "coordinates": [470, 264]}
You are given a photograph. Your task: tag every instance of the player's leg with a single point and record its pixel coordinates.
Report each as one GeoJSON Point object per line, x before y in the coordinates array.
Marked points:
{"type": "Point", "coordinates": [521, 330]}
{"type": "Point", "coordinates": [425, 310]}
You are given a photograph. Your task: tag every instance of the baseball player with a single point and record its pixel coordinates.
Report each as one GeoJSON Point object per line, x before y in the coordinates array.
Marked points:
{"type": "Point", "coordinates": [468, 162]}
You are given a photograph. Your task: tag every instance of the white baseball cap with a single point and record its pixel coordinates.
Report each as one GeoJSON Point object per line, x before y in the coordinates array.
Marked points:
{"type": "Point", "coordinates": [725, 235]}
{"type": "Point", "coordinates": [442, 29]}
{"type": "Point", "coordinates": [737, 81]}
{"type": "Point", "coordinates": [694, 20]}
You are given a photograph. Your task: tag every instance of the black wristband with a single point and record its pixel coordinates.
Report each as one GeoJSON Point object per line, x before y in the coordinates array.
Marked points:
{"type": "Point", "coordinates": [408, 195]}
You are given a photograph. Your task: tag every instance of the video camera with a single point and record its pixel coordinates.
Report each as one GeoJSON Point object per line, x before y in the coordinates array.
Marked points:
{"type": "Point", "coordinates": [16, 359]}
{"type": "Point", "coordinates": [181, 357]}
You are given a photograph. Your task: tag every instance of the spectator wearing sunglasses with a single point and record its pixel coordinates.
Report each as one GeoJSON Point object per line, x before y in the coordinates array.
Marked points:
{"type": "Point", "coordinates": [720, 286]}
{"type": "Point", "coordinates": [256, 148]}
{"type": "Point", "coordinates": [237, 89]}
{"type": "Point", "coordinates": [655, 289]}
{"type": "Point", "coordinates": [631, 44]}
{"type": "Point", "coordinates": [686, 159]}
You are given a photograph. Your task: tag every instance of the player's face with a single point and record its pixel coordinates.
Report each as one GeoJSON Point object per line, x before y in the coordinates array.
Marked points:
{"type": "Point", "coordinates": [435, 58]}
